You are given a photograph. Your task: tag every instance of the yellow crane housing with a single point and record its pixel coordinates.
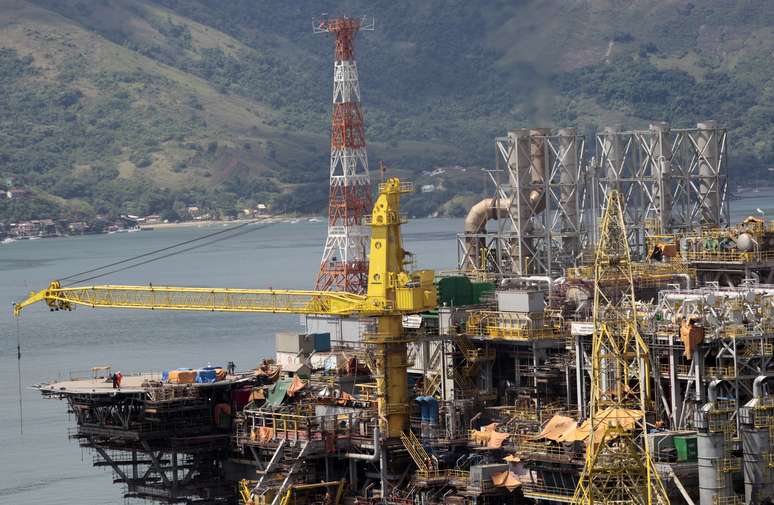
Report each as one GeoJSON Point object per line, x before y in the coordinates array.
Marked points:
{"type": "Point", "coordinates": [392, 292]}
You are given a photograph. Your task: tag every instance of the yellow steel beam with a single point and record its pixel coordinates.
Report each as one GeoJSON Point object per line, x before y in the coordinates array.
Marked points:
{"type": "Point", "coordinates": [202, 299]}
{"type": "Point", "coordinates": [619, 467]}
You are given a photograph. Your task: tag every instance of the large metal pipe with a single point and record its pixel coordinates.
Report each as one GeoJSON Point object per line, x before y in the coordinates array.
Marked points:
{"type": "Point", "coordinates": [707, 147]}
{"type": "Point", "coordinates": [568, 194]}
{"type": "Point", "coordinates": [475, 224]}
{"type": "Point", "coordinates": [480, 213]}
{"type": "Point", "coordinates": [661, 170]}
{"type": "Point", "coordinates": [712, 390]}
{"type": "Point", "coordinates": [758, 384]}
{"type": "Point", "coordinates": [377, 449]}
{"type": "Point", "coordinates": [756, 441]}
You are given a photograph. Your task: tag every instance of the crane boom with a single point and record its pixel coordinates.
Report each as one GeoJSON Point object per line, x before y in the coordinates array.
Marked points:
{"type": "Point", "coordinates": [201, 299]}
{"type": "Point", "coordinates": [392, 292]}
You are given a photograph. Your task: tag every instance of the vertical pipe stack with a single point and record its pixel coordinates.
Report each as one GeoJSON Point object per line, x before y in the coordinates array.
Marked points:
{"type": "Point", "coordinates": [756, 420]}
{"type": "Point", "coordinates": [661, 171]}
{"type": "Point", "coordinates": [568, 180]}
{"type": "Point", "coordinates": [520, 177]}
{"type": "Point", "coordinates": [707, 147]}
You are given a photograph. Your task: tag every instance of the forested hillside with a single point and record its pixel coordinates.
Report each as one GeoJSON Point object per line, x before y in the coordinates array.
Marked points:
{"type": "Point", "coordinates": [149, 106]}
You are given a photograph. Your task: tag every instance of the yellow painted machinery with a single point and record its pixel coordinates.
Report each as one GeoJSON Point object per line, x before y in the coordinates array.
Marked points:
{"type": "Point", "coordinates": [619, 466]}
{"type": "Point", "coordinates": [392, 292]}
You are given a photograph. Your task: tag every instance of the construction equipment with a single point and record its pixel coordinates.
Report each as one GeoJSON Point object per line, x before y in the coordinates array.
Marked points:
{"type": "Point", "coordinates": [619, 466]}
{"type": "Point", "coordinates": [392, 292]}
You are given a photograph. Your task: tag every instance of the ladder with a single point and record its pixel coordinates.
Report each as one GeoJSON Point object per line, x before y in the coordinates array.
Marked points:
{"type": "Point", "coordinates": [416, 451]}
{"type": "Point", "coordinates": [273, 462]}
{"type": "Point", "coordinates": [288, 477]}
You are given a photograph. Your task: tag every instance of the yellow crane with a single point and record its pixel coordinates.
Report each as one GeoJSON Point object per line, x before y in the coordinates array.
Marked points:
{"type": "Point", "coordinates": [619, 466]}
{"type": "Point", "coordinates": [392, 292]}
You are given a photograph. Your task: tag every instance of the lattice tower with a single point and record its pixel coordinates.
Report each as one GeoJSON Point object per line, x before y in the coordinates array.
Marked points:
{"type": "Point", "coordinates": [619, 468]}
{"type": "Point", "coordinates": [344, 266]}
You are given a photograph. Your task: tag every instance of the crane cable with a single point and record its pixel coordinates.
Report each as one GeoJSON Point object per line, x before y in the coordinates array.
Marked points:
{"type": "Point", "coordinates": [75, 278]}
{"type": "Point", "coordinates": [127, 267]}
{"type": "Point", "coordinates": [18, 368]}
{"type": "Point", "coordinates": [174, 253]}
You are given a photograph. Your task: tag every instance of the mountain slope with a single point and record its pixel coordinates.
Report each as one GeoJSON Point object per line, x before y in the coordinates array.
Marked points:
{"type": "Point", "coordinates": [148, 106]}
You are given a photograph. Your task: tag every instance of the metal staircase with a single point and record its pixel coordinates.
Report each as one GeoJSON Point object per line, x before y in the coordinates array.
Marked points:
{"type": "Point", "coordinates": [299, 462]}
{"type": "Point", "coordinates": [417, 452]}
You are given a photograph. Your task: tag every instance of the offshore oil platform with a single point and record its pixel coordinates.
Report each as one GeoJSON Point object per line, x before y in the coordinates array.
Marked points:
{"type": "Point", "coordinates": [607, 337]}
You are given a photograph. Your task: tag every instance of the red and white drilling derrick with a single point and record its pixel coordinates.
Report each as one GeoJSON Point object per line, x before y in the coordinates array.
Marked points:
{"type": "Point", "coordinates": [344, 265]}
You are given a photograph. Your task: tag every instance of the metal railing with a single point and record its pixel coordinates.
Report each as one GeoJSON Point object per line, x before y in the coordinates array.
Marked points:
{"type": "Point", "coordinates": [553, 493]}
{"type": "Point", "coordinates": [514, 326]}
{"type": "Point", "coordinates": [541, 449]}
{"type": "Point", "coordinates": [267, 428]}
{"type": "Point", "coordinates": [727, 500]}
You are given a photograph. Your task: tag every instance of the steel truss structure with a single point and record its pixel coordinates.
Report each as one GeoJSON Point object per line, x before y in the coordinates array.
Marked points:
{"type": "Point", "coordinates": [344, 265]}
{"type": "Point", "coordinates": [619, 467]}
{"type": "Point", "coordinates": [542, 208]}
{"type": "Point", "coordinates": [671, 180]}
{"type": "Point", "coordinates": [736, 326]}
{"type": "Point", "coordinates": [159, 443]}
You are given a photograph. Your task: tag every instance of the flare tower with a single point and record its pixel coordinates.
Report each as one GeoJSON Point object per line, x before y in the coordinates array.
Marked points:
{"type": "Point", "coordinates": [344, 264]}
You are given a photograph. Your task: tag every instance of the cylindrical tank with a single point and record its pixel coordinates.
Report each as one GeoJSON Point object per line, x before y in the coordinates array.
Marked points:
{"type": "Point", "coordinates": [541, 165]}
{"type": "Point", "coordinates": [519, 163]}
{"type": "Point", "coordinates": [612, 156]}
{"type": "Point", "coordinates": [568, 179]}
{"type": "Point", "coordinates": [745, 242]}
{"type": "Point", "coordinates": [707, 147]}
{"type": "Point", "coordinates": [537, 151]}
{"type": "Point", "coordinates": [520, 178]}
{"type": "Point", "coordinates": [710, 448]}
{"type": "Point", "coordinates": [661, 170]}
{"type": "Point", "coordinates": [757, 474]}
{"type": "Point", "coordinates": [756, 444]}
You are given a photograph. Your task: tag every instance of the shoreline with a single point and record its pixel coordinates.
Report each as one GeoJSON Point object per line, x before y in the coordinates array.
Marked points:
{"type": "Point", "coordinates": [210, 222]}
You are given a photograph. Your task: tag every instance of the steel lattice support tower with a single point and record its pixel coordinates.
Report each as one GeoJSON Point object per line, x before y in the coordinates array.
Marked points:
{"type": "Point", "coordinates": [672, 180]}
{"type": "Point", "coordinates": [619, 467]}
{"type": "Point", "coordinates": [344, 266]}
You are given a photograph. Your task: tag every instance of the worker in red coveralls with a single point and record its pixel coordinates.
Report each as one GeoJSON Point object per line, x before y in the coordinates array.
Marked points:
{"type": "Point", "coordinates": [118, 380]}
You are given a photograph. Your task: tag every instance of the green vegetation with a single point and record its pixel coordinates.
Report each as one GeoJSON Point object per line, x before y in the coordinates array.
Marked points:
{"type": "Point", "coordinates": [639, 87]}
{"type": "Point", "coordinates": [148, 107]}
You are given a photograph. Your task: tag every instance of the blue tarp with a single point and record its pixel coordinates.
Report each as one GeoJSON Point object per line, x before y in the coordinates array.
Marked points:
{"type": "Point", "coordinates": [206, 375]}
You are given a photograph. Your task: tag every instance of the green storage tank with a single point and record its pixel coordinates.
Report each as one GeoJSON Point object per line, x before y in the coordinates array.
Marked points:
{"type": "Point", "coordinates": [686, 448]}
{"type": "Point", "coordinates": [479, 288]}
{"type": "Point", "coordinates": [455, 291]}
